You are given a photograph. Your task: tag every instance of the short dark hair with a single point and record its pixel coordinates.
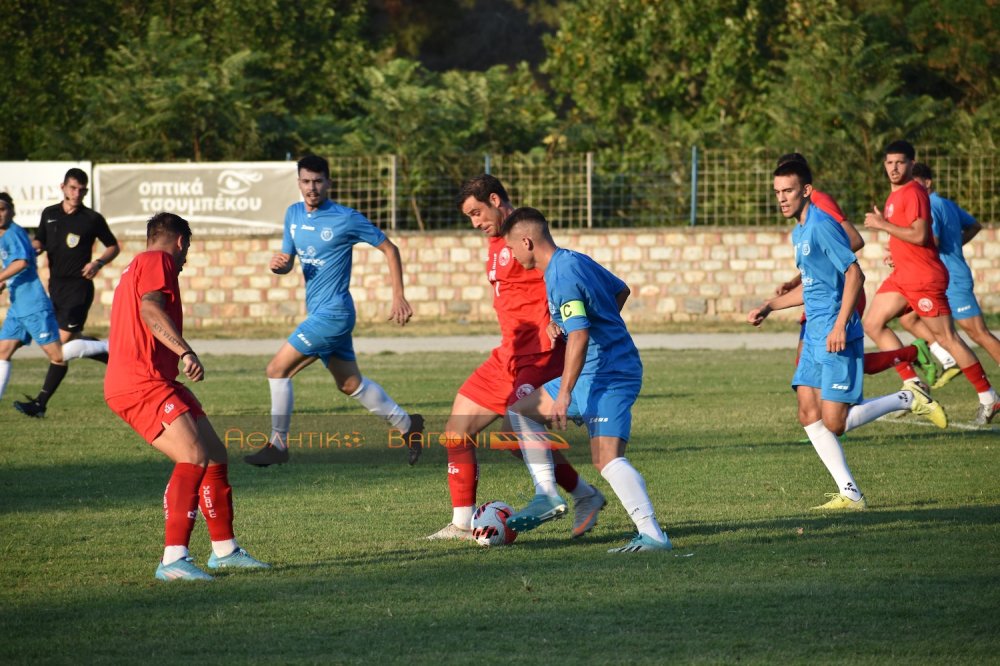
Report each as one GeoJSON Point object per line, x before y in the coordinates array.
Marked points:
{"type": "Point", "coordinates": [921, 170]}
{"type": "Point", "coordinates": [901, 147]}
{"type": "Point", "coordinates": [795, 168]}
{"type": "Point", "coordinates": [79, 175]}
{"type": "Point", "coordinates": [792, 157]}
{"type": "Point", "coordinates": [481, 187]}
{"type": "Point", "coordinates": [314, 163]}
{"type": "Point", "coordinates": [10, 201]}
{"type": "Point", "coordinates": [524, 214]}
{"type": "Point", "coordinates": [167, 223]}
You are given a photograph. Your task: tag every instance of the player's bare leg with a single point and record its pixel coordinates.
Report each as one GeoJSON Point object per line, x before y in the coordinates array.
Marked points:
{"type": "Point", "coordinates": [7, 349]}
{"type": "Point", "coordinates": [352, 383]}
{"type": "Point", "coordinates": [944, 330]}
{"type": "Point", "coordinates": [885, 307]}
{"type": "Point", "coordinates": [823, 421]}
{"type": "Point", "coordinates": [976, 329]}
{"type": "Point", "coordinates": [527, 417]}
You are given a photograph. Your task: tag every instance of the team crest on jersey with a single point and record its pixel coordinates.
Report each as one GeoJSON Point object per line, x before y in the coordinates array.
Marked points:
{"type": "Point", "coordinates": [326, 234]}
{"type": "Point", "coordinates": [72, 240]}
{"type": "Point", "coordinates": [889, 209]}
{"type": "Point", "coordinates": [925, 304]}
{"type": "Point", "coordinates": [3, 255]}
{"type": "Point", "coordinates": [504, 257]}
{"type": "Point", "coordinates": [524, 390]}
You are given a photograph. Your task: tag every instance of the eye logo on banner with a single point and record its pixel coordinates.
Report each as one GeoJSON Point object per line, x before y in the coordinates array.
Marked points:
{"type": "Point", "coordinates": [233, 183]}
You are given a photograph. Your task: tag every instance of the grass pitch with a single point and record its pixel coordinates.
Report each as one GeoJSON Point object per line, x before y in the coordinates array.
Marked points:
{"type": "Point", "coordinates": [754, 577]}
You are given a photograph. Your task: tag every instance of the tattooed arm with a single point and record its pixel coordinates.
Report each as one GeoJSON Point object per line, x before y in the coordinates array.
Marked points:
{"type": "Point", "coordinates": [154, 313]}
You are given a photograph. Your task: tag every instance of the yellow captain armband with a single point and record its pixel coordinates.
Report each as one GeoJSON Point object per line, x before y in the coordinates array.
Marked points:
{"type": "Point", "coordinates": [572, 309]}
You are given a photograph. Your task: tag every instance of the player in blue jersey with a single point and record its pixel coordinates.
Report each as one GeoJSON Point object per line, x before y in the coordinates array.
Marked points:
{"type": "Point", "coordinates": [601, 378]}
{"type": "Point", "coordinates": [952, 227]}
{"type": "Point", "coordinates": [30, 315]}
{"type": "Point", "coordinates": [322, 234]}
{"type": "Point", "coordinates": [828, 380]}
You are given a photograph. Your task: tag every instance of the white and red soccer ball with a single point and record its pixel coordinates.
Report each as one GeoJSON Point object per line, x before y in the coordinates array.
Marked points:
{"type": "Point", "coordinates": [489, 524]}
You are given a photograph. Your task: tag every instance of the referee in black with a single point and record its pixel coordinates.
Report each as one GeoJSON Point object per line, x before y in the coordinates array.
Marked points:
{"type": "Point", "coordinates": [67, 233]}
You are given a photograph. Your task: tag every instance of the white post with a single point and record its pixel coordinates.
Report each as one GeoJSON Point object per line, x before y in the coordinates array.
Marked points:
{"type": "Point", "coordinates": [590, 190]}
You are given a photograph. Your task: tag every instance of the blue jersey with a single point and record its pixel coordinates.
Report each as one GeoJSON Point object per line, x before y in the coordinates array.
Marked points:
{"type": "Point", "coordinates": [581, 295]}
{"type": "Point", "coordinates": [948, 221]}
{"type": "Point", "coordinates": [823, 255]}
{"type": "Point", "coordinates": [323, 240]}
{"type": "Point", "coordinates": [27, 295]}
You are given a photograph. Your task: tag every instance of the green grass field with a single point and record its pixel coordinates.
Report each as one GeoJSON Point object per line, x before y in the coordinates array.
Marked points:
{"type": "Point", "coordinates": [754, 577]}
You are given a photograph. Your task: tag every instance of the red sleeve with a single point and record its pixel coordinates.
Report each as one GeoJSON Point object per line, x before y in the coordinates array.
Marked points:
{"type": "Point", "coordinates": [153, 273]}
{"type": "Point", "coordinates": [828, 205]}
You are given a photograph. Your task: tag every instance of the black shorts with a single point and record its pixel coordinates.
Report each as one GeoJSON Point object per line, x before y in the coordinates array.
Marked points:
{"type": "Point", "coordinates": [72, 300]}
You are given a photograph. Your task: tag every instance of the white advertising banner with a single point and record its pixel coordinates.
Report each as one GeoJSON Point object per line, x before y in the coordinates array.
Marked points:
{"type": "Point", "coordinates": [34, 186]}
{"type": "Point", "coordinates": [217, 198]}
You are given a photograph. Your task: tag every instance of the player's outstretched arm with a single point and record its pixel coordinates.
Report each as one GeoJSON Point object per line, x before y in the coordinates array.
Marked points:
{"type": "Point", "coordinates": [916, 234]}
{"type": "Point", "coordinates": [789, 299]}
{"type": "Point", "coordinates": [853, 237]}
{"type": "Point", "coordinates": [401, 310]}
{"type": "Point", "coordinates": [13, 268]}
{"type": "Point", "coordinates": [153, 312]}
{"type": "Point", "coordinates": [576, 354]}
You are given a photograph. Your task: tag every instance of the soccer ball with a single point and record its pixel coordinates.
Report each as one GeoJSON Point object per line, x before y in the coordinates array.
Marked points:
{"type": "Point", "coordinates": [489, 524]}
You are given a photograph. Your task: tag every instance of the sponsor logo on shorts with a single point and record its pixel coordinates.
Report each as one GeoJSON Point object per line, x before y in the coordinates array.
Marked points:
{"type": "Point", "coordinates": [304, 339]}
{"type": "Point", "coordinates": [326, 234]}
{"type": "Point", "coordinates": [840, 387]}
{"type": "Point", "coordinates": [597, 419]}
{"type": "Point", "coordinates": [925, 304]}
{"type": "Point", "coordinates": [523, 390]}
{"type": "Point", "coordinates": [72, 240]}
{"type": "Point", "coordinates": [504, 257]}
{"type": "Point", "coordinates": [964, 308]}
{"type": "Point", "coordinates": [169, 408]}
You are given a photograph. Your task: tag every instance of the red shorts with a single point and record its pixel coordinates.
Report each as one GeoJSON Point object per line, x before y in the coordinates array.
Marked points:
{"type": "Point", "coordinates": [503, 380]}
{"type": "Point", "coordinates": [927, 299]}
{"type": "Point", "coordinates": [156, 406]}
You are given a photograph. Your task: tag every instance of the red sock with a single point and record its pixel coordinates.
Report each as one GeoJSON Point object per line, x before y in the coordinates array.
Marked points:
{"type": "Point", "coordinates": [180, 503]}
{"type": "Point", "coordinates": [876, 362]}
{"type": "Point", "coordinates": [905, 371]}
{"type": "Point", "coordinates": [216, 502]}
{"type": "Point", "coordinates": [566, 476]}
{"type": "Point", "coordinates": [977, 377]}
{"type": "Point", "coordinates": [463, 474]}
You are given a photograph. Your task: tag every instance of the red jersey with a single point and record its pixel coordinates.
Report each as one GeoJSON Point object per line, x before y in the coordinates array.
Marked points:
{"type": "Point", "coordinates": [136, 357]}
{"type": "Point", "coordinates": [827, 204]}
{"type": "Point", "coordinates": [914, 262]}
{"type": "Point", "coordinates": [519, 300]}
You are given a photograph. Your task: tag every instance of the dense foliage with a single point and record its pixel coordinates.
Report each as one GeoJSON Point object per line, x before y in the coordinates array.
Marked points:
{"type": "Point", "coordinates": [240, 79]}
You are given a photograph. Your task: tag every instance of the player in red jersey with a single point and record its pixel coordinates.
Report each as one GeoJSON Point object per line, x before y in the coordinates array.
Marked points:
{"type": "Point", "coordinates": [145, 345]}
{"type": "Point", "coordinates": [919, 279]}
{"type": "Point", "coordinates": [528, 356]}
{"type": "Point", "coordinates": [875, 362]}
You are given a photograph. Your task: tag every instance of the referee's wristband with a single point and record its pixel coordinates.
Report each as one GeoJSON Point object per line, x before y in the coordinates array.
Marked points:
{"type": "Point", "coordinates": [188, 352]}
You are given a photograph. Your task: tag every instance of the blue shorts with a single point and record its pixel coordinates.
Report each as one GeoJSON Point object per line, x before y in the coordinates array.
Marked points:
{"type": "Point", "coordinates": [603, 403]}
{"type": "Point", "coordinates": [840, 376]}
{"type": "Point", "coordinates": [39, 326]}
{"type": "Point", "coordinates": [325, 337]}
{"type": "Point", "coordinates": [963, 303]}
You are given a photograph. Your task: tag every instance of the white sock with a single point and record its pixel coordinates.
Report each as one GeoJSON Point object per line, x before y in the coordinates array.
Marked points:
{"type": "Point", "coordinates": [84, 348]}
{"type": "Point", "coordinates": [869, 410]}
{"type": "Point", "coordinates": [225, 547]}
{"type": "Point", "coordinates": [630, 487]}
{"type": "Point", "coordinates": [942, 355]}
{"type": "Point", "coordinates": [462, 516]}
{"type": "Point", "coordinates": [830, 451]}
{"type": "Point", "coordinates": [583, 489]}
{"type": "Point", "coordinates": [173, 553]}
{"type": "Point", "coordinates": [282, 403]}
{"type": "Point", "coordinates": [537, 455]}
{"type": "Point", "coordinates": [4, 376]}
{"type": "Point", "coordinates": [985, 398]}
{"type": "Point", "coordinates": [377, 401]}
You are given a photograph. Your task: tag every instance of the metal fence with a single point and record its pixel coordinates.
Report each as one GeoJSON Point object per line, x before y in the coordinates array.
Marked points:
{"type": "Point", "coordinates": [592, 190]}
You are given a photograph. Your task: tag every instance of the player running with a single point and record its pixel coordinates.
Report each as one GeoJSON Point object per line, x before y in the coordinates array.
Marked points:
{"type": "Point", "coordinates": [829, 377]}
{"type": "Point", "coordinates": [146, 343]}
{"type": "Point", "coordinates": [952, 227]}
{"type": "Point", "coordinates": [323, 233]}
{"type": "Point", "coordinates": [30, 315]}
{"type": "Point", "coordinates": [919, 280]}
{"type": "Point", "coordinates": [601, 378]}
{"type": "Point", "coordinates": [67, 232]}
{"type": "Point", "coordinates": [526, 358]}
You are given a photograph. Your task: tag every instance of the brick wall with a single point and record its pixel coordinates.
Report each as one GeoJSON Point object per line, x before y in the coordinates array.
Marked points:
{"type": "Point", "coordinates": [676, 275]}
